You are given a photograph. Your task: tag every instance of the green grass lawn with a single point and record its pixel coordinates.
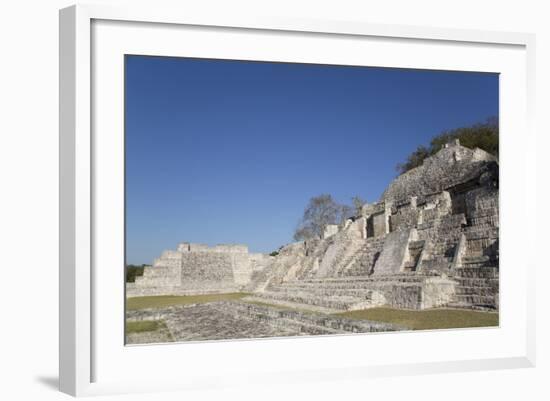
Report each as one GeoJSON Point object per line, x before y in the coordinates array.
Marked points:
{"type": "Point", "coordinates": [413, 319]}
{"type": "Point", "coordinates": [164, 301]}
{"type": "Point", "coordinates": [427, 319]}
{"type": "Point", "coordinates": [143, 326]}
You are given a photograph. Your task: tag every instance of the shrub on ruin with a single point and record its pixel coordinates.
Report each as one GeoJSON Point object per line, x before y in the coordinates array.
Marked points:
{"type": "Point", "coordinates": [481, 135]}
{"type": "Point", "coordinates": [132, 271]}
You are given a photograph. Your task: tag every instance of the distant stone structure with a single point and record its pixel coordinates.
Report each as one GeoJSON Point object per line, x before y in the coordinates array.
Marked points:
{"type": "Point", "coordinates": [197, 269]}
{"type": "Point", "coordinates": [430, 241]}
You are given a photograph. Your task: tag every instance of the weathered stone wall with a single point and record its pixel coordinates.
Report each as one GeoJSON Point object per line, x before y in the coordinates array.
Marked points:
{"type": "Point", "coordinates": [206, 270]}
{"type": "Point", "coordinates": [451, 166]}
{"type": "Point", "coordinates": [241, 265]}
{"type": "Point", "coordinates": [330, 230]}
{"type": "Point", "coordinates": [158, 276]}
{"type": "Point", "coordinates": [378, 225]}
{"type": "Point", "coordinates": [431, 222]}
{"type": "Point", "coordinates": [404, 216]}
{"type": "Point", "coordinates": [168, 259]}
{"type": "Point", "coordinates": [195, 269]}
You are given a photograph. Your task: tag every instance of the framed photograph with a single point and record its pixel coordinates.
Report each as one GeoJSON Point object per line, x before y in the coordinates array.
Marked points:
{"type": "Point", "coordinates": [273, 200]}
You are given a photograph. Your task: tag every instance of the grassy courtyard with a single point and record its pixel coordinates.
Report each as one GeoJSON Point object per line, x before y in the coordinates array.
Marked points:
{"type": "Point", "coordinates": [143, 326]}
{"type": "Point", "coordinates": [427, 319]}
{"type": "Point", "coordinates": [414, 319]}
{"type": "Point", "coordinates": [147, 332]}
{"type": "Point", "coordinates": [163, 301]}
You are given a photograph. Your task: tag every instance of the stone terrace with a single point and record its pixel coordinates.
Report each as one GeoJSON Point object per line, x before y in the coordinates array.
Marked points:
{"type": "Point", "coordinates": [432, 240]}
{"type": "Point", "coordinates": [409, 291]}
{"type": "Point", "coordinates": [235, 320]}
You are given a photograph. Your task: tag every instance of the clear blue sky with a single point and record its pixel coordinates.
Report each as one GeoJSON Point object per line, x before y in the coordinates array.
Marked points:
{"type": "Point", "coordinates": [231, 151]}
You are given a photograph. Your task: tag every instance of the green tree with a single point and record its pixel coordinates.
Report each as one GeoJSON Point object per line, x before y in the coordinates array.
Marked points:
{"type": "Point", "coordinates": [481, 135]}
{"type": "Point", "coordinates": [132, 271]}
{"type": "Point", "coordinates": [415, 159]}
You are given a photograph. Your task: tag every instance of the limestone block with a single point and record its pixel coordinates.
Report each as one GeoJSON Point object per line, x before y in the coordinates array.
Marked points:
{"type": "Point", "coordinates": [437, 292]}
{"type": "Point", "coordinates": [394, 253]}
{"type": "Point", "coordinates": [356, 229]}
{"type": "Point", "coordinates": [377, 225]}
{"type": "Point", "coordinates": [330, 230]}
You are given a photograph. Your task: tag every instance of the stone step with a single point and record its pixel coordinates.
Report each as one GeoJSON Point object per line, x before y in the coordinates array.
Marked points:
{"type": "Point", "coordinates": [404, 277]}
{"type": "Point", "coordinates": [336, 302]}
{"type": "Point", "coordinates": [483, 291]}
{"type": "Point", "coordinates": [365, 285]}
{"type": "Point", "coordinates": [475, 259]}
{"type": "Point", "coordinates": [359, 279]}
{"type": "Point", "coordinates": [477, 282]}
{"type": "Point", "coordinates": [361, 293]}
{"type": "Point", "coordinates": [307, 322]}
{"type": "Point", "coordinates": [477, 262]}
{"type": "Point", "coordinates": [400, 295]}
{"type": "Point", "coordinates": [475, 265]}
{"type": "Point", "coordinates": [475, 299]}
{"type": "Point", "coordinates": [290, 320]}
{"type": "Point", "coordinates": [476, 272]}
{"type": "Point", "coordinates": [306, 328]}
{"type": "Point", "coordinates": [361, 261]}
{"type": "Point", "coordinates": [289, 304]}
{"type": "Point", "coordinates": [353, 272]}
{"type": "Point", "coordinates": [466, 305]}
{"type": "Point", "coordinates": [481, 232]}
{"type": "Point", "coordinates": [137, 291]}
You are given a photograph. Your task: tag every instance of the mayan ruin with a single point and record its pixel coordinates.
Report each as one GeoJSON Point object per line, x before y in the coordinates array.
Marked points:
{"type": "Point", "coordinates": [431, 241]}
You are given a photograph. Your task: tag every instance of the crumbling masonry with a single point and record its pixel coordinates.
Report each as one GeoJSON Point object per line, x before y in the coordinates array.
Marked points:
{"type": "Point", "coordinates": [431, 241]}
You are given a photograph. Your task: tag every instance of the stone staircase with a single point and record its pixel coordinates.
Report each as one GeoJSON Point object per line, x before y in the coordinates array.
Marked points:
{"type": "Point", "coordinates": [362, 261]}
{"type": "Point", "coordinates": [477, 276]}
{"type": "Point", "coordinates": [337, 257]}
{"type": "Point", "coordinates": [477, 288]}
{"type": "Point", "coordinates": [415, 250]}
{"type": "Point", "coordinates": [348, 293]}
{"type": "Point", "coordinates": [259, 280]}
{"type": "Point", "coordinates": [442, 236]}
{"type": "Point", "coordinates": [481, 247]}
{"type": "Point", "coordinates": [274, 272]}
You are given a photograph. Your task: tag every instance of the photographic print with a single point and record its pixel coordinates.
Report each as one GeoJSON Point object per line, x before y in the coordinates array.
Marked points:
{"type": "Point", "coordinates": [271, 199]}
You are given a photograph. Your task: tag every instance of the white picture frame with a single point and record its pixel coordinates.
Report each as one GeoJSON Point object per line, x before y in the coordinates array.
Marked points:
{"type": "Point", "coordinates": [85, 354]}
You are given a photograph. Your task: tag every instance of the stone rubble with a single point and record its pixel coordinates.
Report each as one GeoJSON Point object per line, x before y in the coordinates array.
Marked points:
{"type": "Point", "coordinates": [237, 320]}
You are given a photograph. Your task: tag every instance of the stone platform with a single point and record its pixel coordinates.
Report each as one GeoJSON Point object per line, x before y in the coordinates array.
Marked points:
{"type": "Point", "coordinates": [432, 240]}
{"type": "Point", "coordinates": [238, 320]}
{"type": "Point", "coordinates": [406, 291]}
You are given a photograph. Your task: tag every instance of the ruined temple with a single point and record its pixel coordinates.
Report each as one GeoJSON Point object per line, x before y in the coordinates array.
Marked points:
{"type": "Point", "coordinates": [430, 241]}
{"type": "Point", "coordinates": [198, 269]}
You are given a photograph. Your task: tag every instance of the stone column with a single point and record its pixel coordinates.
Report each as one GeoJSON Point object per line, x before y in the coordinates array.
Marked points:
{"type": "Point", "coordinates": [387, 215]}
{"type": "Point", "coordinates": [363, 227]}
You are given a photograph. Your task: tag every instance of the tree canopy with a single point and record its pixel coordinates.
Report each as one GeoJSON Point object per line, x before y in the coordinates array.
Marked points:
{"type": "Point", "coordinates": [481, 135]}
{"type": "Point", "coordinates": [132, 271]}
